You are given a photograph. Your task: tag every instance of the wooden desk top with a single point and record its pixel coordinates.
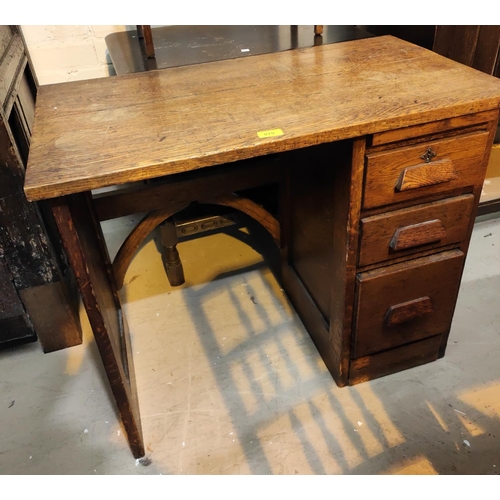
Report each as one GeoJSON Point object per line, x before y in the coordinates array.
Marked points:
{"type": "Point", "coordinates": [96, 133]}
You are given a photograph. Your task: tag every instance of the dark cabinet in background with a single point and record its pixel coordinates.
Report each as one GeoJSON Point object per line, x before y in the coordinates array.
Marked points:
{"type": "Point", "coordinates": [37, 297]}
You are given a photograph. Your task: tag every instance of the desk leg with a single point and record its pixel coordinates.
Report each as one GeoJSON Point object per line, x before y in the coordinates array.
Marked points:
{"type": "Point", "coordinates": [84, 244]}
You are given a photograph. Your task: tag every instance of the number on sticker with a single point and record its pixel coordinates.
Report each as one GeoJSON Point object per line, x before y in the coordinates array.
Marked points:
{"type": "Point", "coordinates": [269, 133]}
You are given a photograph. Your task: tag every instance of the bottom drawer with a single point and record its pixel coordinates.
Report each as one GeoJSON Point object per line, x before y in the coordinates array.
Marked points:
{"type": "Point", "coordinates": [394, 360]}
{"type": "Point", "coordinates": [405, 302]}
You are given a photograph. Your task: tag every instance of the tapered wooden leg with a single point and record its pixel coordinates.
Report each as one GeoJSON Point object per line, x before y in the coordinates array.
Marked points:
{"type": "Point", "coordinates": [88, 257]}
{"type": "Point", "coordinates": [170, 254]}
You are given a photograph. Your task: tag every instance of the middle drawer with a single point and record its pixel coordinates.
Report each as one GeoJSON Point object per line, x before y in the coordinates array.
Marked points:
{"type": "Point", "coordinates": [410, 230]}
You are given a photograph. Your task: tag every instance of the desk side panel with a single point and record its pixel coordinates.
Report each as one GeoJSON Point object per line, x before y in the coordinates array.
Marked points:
{"type": "Point", "coordinates": [311, 218]}
{"type": "Point", "coordinates": [323, 203]}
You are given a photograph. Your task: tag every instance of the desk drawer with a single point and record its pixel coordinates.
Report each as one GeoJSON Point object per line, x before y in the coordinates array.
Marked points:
{"type": "Point", "coordinates": [405, 302]}
{"type": "Point", "coordinates": [403, 232]}
{"type": "Point", "coordinates": [404, 174]}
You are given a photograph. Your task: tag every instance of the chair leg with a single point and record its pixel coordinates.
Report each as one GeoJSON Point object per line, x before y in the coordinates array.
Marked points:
{"type": "Point", "coordinates": [170, 254]}
{"type": "Point", "coordinates": [145, 34]}
{"type": "Point", "coordinates": [148, 41]}
{"type": "Point", "coordinates": [318, 29]}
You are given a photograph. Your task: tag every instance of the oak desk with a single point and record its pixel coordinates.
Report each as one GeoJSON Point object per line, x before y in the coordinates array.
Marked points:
{"type": "Point", "coordinates": [378, 171]}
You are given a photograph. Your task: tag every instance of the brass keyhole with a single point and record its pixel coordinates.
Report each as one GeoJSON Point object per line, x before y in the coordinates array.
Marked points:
{"type": "Point", "coordinates": [429, 155]}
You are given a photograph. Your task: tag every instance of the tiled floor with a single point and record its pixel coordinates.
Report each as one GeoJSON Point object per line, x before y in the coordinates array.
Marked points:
{"type": "Point", "coordinates": [230, 383]}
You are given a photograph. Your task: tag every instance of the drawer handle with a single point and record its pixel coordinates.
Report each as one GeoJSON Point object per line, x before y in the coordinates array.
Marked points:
{"type": "Point", "coordinates": [426, 174]}
{"type": "Point", "coordinates": [406, 311]}
{"type": "Point", "coordinates": [418, 234]}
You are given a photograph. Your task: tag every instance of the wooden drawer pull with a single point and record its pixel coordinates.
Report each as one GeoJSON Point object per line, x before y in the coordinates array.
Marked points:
{"type": "Point", "coordinates": [426, 174]}
{"type": "Point", "coordinates": [406, 311]}
{"type": "Point", "coordinates": [418, 234]}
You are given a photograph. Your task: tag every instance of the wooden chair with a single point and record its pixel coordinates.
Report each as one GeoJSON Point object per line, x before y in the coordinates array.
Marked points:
{"type": "Point", "coordinates": [145, 35]}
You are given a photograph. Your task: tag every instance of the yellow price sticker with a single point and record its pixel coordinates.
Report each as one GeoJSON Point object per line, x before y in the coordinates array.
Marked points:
{"type": "Point", "coordinates": [270, 133]}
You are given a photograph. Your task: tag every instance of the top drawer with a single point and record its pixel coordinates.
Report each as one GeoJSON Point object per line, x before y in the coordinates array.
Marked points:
{"type": "Point", "coordinates": [424, 169]}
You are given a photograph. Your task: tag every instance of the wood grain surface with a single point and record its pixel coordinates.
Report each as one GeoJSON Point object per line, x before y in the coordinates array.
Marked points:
{"type": "Point", "coordinates": [95, 133]}
{"type": "Point", "coordinates": [426, 174]}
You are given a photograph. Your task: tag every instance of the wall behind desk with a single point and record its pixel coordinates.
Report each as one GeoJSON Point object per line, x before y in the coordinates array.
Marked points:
{"type": "Point", "coordinates": [68, 53]}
